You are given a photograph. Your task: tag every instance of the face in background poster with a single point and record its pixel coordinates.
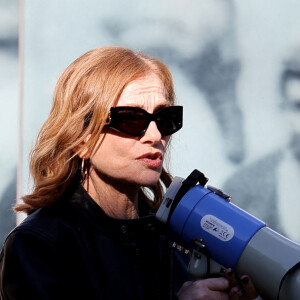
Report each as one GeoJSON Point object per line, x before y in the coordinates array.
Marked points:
{"type": "Point", "coordinates": [231, 64]}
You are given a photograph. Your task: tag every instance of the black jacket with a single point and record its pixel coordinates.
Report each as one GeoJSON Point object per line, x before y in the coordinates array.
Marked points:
{"type": "Point", "coordinates": [73, 250]}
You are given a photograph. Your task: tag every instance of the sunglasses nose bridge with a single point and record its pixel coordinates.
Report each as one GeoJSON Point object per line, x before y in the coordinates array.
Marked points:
{"type": "Point", "coordinates": [152, 131]}
{"type": "Point", "coordinates": [154, 117]}
{"type": "Point", "coordinates": [149, 118]}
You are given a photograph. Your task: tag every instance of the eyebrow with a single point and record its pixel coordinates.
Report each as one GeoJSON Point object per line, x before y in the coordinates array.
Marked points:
{"type": "Point", "coordinates": [161, 106]}
{"type": "Point", "coordinates": [156, 109]}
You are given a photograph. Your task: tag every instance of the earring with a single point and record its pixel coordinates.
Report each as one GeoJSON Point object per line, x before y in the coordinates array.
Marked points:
{"type": "Point", "coordinates": [84, 170]}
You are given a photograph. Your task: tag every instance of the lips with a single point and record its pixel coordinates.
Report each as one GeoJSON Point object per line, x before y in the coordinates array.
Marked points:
{"type": "Point", "coordinates": [152, 160]}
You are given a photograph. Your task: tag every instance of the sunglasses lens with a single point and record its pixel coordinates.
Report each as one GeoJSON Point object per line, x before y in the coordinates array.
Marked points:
{"type": "Point", "coordinates": [169, 120]}
{"type": "Point", "coordinates": [132, 121]}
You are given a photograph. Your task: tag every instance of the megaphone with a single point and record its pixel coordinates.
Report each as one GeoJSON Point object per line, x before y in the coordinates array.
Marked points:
{"type": "Point", "coordinates": [203, 220]}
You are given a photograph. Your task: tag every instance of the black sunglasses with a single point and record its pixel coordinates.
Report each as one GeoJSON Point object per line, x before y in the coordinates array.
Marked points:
{"type": "Point", "coordinates": [134, 121]}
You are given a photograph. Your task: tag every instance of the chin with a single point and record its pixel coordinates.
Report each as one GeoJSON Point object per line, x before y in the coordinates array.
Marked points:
{"type": "Point", "coordinates": [149, 178]}
{"type": "Point", "coordinates": [149, 183]}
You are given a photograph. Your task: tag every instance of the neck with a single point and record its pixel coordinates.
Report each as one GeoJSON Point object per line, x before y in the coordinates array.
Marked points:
{"type": "Point", "coordinates": [115, 202]}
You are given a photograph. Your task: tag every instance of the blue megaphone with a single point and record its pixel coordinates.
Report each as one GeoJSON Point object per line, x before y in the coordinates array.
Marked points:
{"type": "Point", "coordinates": [220, 235]}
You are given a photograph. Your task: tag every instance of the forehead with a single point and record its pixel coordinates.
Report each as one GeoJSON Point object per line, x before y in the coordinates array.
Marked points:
{"type": "Point", "coordinates": [144, 89]}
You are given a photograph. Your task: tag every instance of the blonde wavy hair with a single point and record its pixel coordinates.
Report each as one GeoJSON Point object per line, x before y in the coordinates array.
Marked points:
{"type": "Point", "coordinates": [89, 86]}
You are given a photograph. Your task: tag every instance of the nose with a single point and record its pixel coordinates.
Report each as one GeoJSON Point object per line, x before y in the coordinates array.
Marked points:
{"type": "Point", "coordinates": [152, 134]}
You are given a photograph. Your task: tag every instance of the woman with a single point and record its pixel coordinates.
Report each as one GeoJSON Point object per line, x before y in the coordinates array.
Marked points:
{"type": "Point", "coordinates": [98, 177]}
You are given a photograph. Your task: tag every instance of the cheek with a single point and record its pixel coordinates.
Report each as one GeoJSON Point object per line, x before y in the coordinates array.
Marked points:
{"type": "Point", "coordinates": [116, 157]}
{"type": "Point", "coordinates": [112, 154]}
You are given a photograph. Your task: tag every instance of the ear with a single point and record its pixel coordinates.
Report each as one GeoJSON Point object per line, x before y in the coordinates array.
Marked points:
{"type": "Point", "coordinates": [82, 149]}
{"type": "Point", "coordinates": [84, 153]}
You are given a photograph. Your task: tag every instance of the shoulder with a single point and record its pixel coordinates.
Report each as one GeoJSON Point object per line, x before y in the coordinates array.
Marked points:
{"type": "Point", "coordinates": [51, 224]}
{"type": "Point", "coordinates": [42, 247]}
{"type": "Point", "coordinates": [44, 235]}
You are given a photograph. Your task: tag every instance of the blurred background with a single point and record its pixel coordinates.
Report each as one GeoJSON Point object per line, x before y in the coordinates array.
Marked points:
{"type": "Point", "coordinates": [236, 68]}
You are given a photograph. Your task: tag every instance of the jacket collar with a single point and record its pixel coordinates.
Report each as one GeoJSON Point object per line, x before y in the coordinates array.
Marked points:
{"type": "Point", "coordinates": [84, 205]}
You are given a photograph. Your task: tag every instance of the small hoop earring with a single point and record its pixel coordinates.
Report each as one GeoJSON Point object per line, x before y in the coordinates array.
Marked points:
{"type": "Point", "coordinates": [84, 170]}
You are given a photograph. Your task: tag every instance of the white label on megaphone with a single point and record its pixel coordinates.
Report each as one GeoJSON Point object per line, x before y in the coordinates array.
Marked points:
{"type": "Point", "coordinates": [217, 228]}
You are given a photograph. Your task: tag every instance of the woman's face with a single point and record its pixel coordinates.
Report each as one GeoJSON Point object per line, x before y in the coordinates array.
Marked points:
{"type": "Point", "coordinates": [122, 159]}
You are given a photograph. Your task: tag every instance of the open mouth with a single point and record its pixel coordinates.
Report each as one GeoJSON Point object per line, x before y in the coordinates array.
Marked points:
{"type": "Point", "coordinates": [152, 160]}
{"type": "Point", "coordinates": [155, 156]}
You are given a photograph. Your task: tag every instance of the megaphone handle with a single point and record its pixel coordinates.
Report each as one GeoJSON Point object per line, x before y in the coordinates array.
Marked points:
{"type": "Point", "coordinates": [201, 266]}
